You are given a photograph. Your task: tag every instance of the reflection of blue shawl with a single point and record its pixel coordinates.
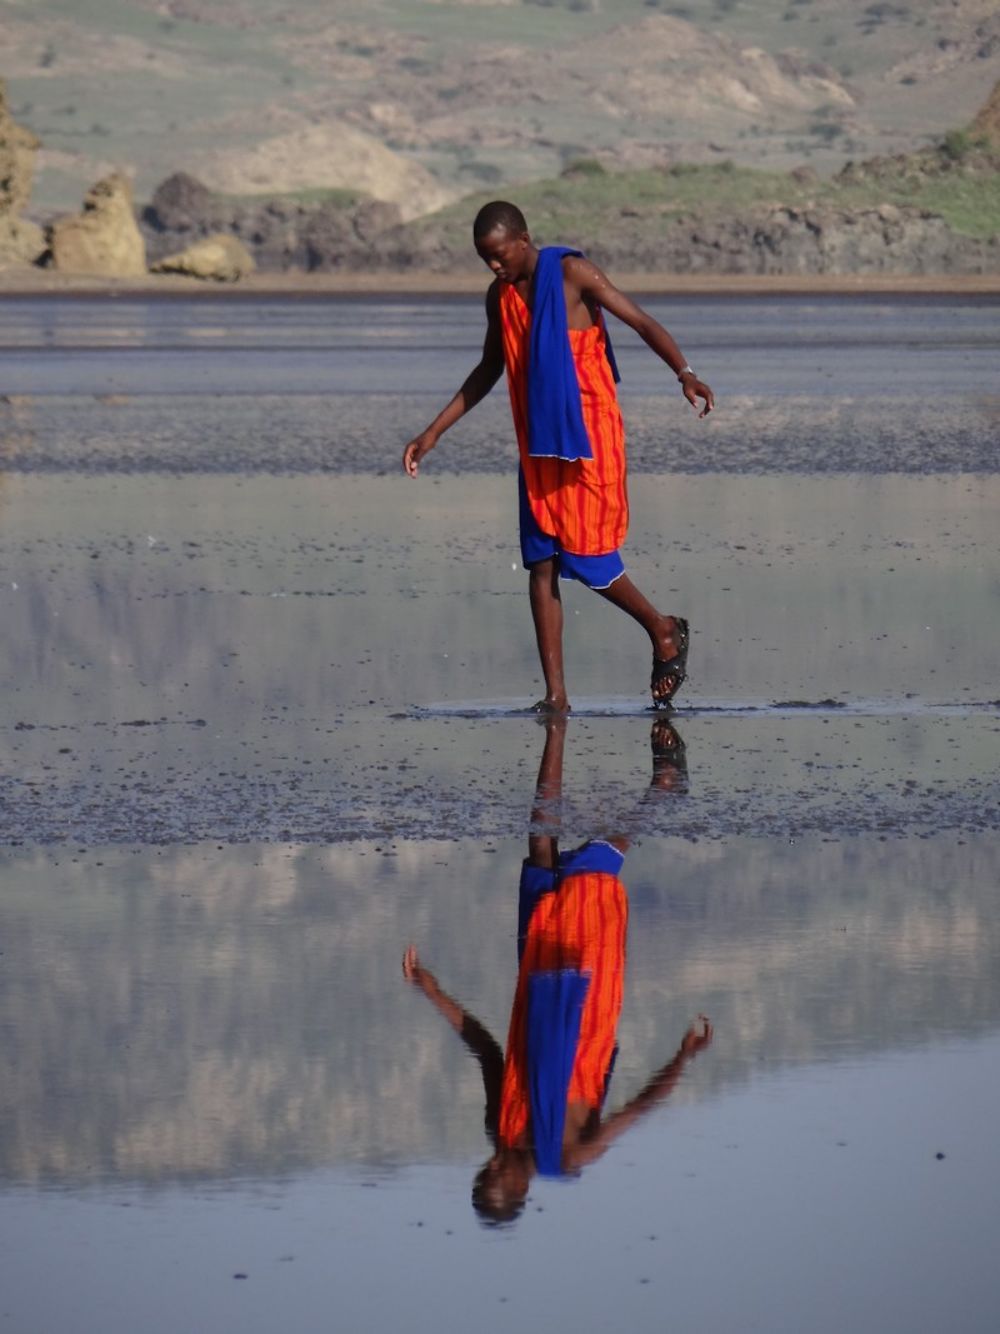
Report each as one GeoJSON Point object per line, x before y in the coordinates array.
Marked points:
{"type": "Point", "coordinates": [555, 1007]}
{"type": "Point", "coordinates": [555, 414]}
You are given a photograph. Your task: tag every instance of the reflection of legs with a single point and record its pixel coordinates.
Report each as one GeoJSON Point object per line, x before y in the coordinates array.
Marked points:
{"type": "Point", "coordinates": [546, 812]}
{"type": "Point", "coordinates": [547, 613]}
{"type": "Point", "coordinates": [665, 632]}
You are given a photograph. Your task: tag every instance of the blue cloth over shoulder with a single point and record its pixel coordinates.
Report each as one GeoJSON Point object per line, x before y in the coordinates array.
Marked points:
{"type": "Point", "coordinates": [555, 413]}
{"type": "Point", "coordinates": [555, 1008]}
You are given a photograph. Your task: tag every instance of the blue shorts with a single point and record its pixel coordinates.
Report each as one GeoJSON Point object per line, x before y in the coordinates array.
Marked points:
{"type": "Point", "coordinates": [537, 881]}
{"type": "Point", "coordinates": [594, 571]}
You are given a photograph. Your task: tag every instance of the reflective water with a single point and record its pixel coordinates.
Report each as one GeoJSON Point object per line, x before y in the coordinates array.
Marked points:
{"type": "Point", "coordinates": [257, 748]}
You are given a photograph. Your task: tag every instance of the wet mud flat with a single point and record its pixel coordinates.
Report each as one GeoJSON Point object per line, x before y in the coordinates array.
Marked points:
{"type": "Point", "coordinates": [154, 698]}
{"type": "Point", "coordinates": [260, 733]}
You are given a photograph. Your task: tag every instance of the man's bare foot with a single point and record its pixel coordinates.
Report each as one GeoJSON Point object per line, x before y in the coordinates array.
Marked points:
{"type": "Point", "coordinates": [669, 637]}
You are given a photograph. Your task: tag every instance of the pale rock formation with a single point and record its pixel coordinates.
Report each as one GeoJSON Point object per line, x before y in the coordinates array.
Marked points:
{"type": "Point", "coordinates": [219, 258]}
{"type": "Point", "coordinates": [987, 122]}
{"type": "Point", "coordinates": [21, 242]}
{"type": "Point", "coordinates": [18, 147]}
{"type": "Point", "coordinates": [104, 239]}
{"type": "Point", "coordinates": [333, 155]}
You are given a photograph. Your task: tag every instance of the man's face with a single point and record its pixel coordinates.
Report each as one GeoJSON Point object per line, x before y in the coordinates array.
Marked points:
{"type": "Point", "coordinates": [505, 253]}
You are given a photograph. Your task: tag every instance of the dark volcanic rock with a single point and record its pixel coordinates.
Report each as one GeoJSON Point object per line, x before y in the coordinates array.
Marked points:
{"type": "Point", "coordinates": [180, 204]}
{"type": "Point", "coordinates": [827, 239]}
{"type": "Point", "coordinates": [281, 232]}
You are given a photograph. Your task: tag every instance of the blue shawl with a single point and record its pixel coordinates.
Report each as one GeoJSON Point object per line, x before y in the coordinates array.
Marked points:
{"type": "Point", "coordinates": [555, 413]}
{"type": "Point", "coordinates": [555, 1007]}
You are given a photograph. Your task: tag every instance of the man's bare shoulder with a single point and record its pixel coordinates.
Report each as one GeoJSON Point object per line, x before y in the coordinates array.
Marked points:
{"type": "Point", "coordinates": [585, 276]}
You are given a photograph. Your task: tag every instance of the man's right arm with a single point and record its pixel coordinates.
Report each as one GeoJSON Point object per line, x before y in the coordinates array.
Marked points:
{"type": "Point", "coordinates": [478, 1040]}
{"type": "Point", "coordinates": [477, 385]}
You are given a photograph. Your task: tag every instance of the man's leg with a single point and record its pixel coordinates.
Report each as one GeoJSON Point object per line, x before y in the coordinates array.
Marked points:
{"type": "Point", "coordinates": [664, 631]}
{"type": "Point", "coordinates": [547, 613]}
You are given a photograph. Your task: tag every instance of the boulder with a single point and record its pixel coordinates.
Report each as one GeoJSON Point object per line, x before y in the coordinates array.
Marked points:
{"type": "Point", "coordinates": [21, 241]}
{"type": "Point", "coordinates": [181, 203]}
{"type": "Point", "coordinates": [104, 239]}
{"type": "Point", "coordinates": [281, 232]}
{"type": "Point", "coordinates": [220, 258]}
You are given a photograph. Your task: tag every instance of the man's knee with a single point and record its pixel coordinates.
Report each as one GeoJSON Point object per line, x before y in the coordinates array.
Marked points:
{"type": "Point", "coordinates": [544, 574]}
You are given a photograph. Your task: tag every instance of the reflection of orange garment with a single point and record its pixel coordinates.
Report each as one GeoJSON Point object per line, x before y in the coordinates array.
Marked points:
{"type": "Point", "coordinates": [581, 925]}
{"type": "Point", "coordinates": [583, 503]}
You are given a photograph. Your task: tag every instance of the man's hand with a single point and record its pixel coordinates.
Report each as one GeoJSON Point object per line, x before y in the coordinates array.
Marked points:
{"type": "Point", "coordinates": [698, 1036]}
{"type": "Point", "coordinates": [693, 389]}
{"type": "Point", "coordinates": [415, 451]}
{"type": "Point", "coordinates": [411, 964]}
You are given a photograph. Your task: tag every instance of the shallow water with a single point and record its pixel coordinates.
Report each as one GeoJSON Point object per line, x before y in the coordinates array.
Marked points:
{"type": "Point", "coordinates": [257, 739]}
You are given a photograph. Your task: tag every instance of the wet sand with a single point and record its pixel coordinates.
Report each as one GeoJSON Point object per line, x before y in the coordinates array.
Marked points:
{"type": "Point", "coordinates": [44, 282]}
{"type": "Point", "coordinates": [260, 733]}
{"type": "Point", "coordinates": [153, 697]}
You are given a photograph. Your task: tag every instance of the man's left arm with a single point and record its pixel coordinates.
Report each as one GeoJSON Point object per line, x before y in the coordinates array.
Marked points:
{"type": "Point", "coordinates": [597, 289]}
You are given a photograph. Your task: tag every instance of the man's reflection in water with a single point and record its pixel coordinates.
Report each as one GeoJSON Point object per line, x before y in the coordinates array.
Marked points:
{"type": "Point", "coordinates": [545, 1098]}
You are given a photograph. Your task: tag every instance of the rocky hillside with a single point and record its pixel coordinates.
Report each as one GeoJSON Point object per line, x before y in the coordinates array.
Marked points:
{"type": "Point", "coordinates": [936, 211]}
{"type": "Point", "coordinates": [932, 212]}
{"type": "Point", "coordinates": [417, 101]}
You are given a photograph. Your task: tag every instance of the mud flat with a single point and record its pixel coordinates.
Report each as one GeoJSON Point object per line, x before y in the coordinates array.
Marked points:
{"type": "Point", "coordinates": [41, 282]}
{"type": "Point", "coordinates": [154, 696]}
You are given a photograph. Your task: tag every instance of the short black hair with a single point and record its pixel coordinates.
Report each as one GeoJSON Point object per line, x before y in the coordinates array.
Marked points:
{"type": "Point", "coordinates": [498, 216]}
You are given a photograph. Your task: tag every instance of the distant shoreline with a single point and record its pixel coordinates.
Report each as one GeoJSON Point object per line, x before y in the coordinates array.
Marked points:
{"type": "Point", "coordinates": [25, 284]}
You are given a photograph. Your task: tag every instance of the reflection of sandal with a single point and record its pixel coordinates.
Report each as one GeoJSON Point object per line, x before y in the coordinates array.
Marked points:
{"type": "Point", "coordinates": [669, 674]}
{"type": "Point", "coordinates": [669, 756]}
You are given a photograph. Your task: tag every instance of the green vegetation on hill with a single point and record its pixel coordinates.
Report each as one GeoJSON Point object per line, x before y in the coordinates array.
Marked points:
{"type": "Point", "coordinates": [589, 200]}
{"type": "Point", "coordinates": [966, 193]}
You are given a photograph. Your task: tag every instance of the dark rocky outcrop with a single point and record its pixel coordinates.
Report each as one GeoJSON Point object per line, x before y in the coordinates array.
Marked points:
{"type": "Point", "coordinates": [825, 239]}
{"type": "Point", "coordinates": [282, 232]}
{"type": "Point", "coordinates": [765, 239]}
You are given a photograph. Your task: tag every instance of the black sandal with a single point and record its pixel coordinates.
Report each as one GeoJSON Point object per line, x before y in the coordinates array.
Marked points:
{"type": "Point", "coordinates": [670, 672]}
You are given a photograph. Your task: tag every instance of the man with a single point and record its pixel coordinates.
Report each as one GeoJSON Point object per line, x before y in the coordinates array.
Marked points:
{"type": "Point", "coordinates": [545, 324]}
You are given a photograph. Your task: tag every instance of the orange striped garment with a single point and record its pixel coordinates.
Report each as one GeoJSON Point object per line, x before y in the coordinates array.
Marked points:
{"type": "Point", "coordinates": [583, 503]}
{"type": "Point", "coordinates": [582, 925]}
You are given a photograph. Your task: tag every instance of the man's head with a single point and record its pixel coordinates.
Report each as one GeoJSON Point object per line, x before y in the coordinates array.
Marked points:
{"type": "Point", "coordinates": [500, 235]}
{"type": "Point", "coordinates": [501, 1186]}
